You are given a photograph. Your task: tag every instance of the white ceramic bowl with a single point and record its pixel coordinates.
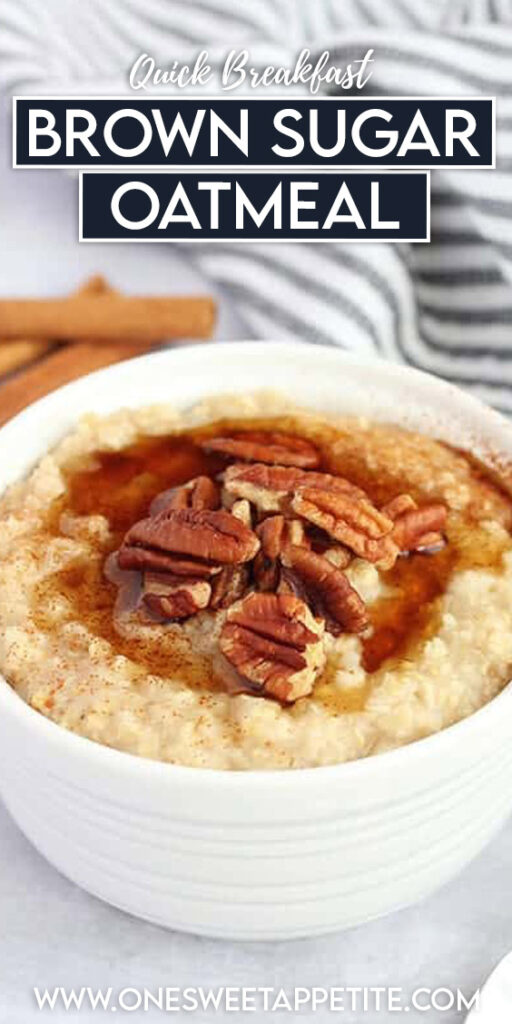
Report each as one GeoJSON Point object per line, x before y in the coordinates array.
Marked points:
{"type": "Point", "coordinates": [258, 855]}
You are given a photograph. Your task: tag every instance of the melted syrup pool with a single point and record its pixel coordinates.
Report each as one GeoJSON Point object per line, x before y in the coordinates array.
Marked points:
{"type": "Point", "coordinates": [416, 581]}
{"type": "Point", "coordinates": [121, 486]}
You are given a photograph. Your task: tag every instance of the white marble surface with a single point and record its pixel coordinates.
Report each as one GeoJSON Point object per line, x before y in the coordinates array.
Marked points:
{"type": "Point", "coordinates": [51, 933]}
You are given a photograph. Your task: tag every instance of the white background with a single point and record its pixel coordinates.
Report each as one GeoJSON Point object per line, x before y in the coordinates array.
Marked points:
{"type": "Point", "coordinates": [51, 933]}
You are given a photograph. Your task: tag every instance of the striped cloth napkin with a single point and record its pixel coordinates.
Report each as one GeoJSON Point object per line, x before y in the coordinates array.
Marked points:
{"type": "Point", "coordinates": [445, 307]}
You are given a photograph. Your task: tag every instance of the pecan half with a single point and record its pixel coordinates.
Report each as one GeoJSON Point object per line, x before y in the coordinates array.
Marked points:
{"type": "Point", "coordinates": [214, 537]}
{"type": "Point", "coordinates": [271, 487]}
{"type": "Point", "coordinates": [416, 529]}
{"type": "Point", "coordinates": [172, 598]}
{"type": "Point", "coordinates": [356, 523]}
{"type": "Point", "coordinates": [266, 567]}
{"type": "Point", "coordinates": [326, 590]}
{"type": "Point", "coordinates": [275, 533]}
{"type": "Point", "coordinates": [275, 644]}
{"type": "Point", "coordinates": [271, 533]}
{"type": "Point", "coordinates": [199, 493]}
{"type": "Point", "coordinates": [265, 446]}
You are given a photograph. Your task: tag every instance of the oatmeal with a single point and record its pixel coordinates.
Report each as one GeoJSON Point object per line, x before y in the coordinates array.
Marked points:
{"type": "Point", "coordinates": [272, 590]}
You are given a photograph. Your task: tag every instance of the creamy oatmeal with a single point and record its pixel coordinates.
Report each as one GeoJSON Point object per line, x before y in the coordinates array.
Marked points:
{"type": "Point", "coordinates": [274, 590]}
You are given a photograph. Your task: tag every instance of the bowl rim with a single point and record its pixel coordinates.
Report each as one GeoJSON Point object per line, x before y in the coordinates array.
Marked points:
{"type": "Point", "coordinates": [232, 779]}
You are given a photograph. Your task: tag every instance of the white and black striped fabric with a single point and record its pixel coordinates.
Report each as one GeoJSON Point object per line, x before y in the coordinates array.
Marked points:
{"type": "Point", "coordinates": [445, 306]}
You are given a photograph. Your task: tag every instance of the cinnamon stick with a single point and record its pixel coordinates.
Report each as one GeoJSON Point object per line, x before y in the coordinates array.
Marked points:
{"type": "Point", "coordinates": [18, 353]}
{"type": "Point", "coordinates": [61, 366]}
{"type": "Point", "coordinates": [14, 355]}
{"type": "Point", "coordinates": [106, 316]}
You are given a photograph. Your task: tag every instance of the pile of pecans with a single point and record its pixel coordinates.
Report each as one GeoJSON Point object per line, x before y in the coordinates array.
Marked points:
{"type": "Point", "coordinates": [269, 541]}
